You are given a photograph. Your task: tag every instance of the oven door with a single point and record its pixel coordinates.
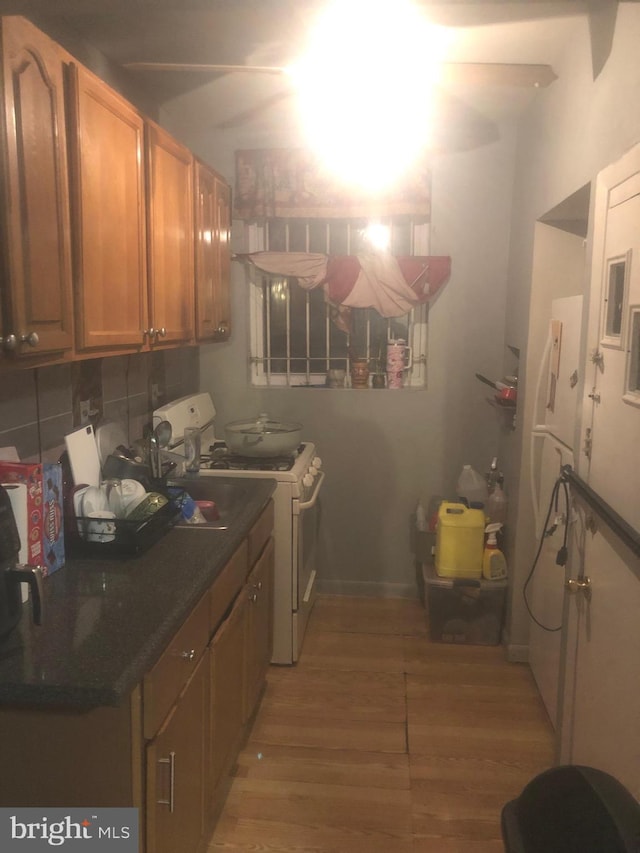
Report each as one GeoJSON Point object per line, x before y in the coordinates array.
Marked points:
{"type": "Point", "coordinates": [306, 518]}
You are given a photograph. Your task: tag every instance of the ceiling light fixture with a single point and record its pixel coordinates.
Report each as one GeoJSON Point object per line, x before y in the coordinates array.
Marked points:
{"type": "Point", "coordinates": [364, 85]}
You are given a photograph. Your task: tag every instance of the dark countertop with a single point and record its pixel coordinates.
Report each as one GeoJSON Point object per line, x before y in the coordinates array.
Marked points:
{"type": "Point", "coordinates": [107, 621]}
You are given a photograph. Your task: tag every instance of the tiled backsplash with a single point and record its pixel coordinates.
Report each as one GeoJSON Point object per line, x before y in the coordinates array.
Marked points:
{"type": "Point", "coordinates": [39, 407]}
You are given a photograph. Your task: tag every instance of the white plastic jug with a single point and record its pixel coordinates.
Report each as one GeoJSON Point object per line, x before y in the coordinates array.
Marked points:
{"type": "Point", "coordinates": [472, 486]}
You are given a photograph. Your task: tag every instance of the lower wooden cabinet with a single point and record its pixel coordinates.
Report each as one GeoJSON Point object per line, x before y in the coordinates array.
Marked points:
{"type": "Point", "coordinates": [240, 655]}
{"type": "Point", "coordinates": [169, 750]}
{"type": "Point", "coordinates": [227, 695]}
{"type": "Point", "coordinates": [175, 761]}
{"type": "Point", "coordinates": [259, 628]}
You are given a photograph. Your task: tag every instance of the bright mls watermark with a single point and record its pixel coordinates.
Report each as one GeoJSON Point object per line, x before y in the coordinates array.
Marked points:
{"type": "Point", "coordinates": [79, 830]}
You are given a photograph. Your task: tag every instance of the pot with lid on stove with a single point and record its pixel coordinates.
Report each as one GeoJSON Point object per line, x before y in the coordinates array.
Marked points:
{"type": "Point", "coordinates": [12, 574]}
{"type": "Point", "coordinates": [263, 436]}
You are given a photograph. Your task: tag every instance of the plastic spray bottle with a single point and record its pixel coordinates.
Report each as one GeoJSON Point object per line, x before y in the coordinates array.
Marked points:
{"type": "Point", "coordinates": [421, 518]}
{"type": "Point", "coordinates": [497, 505]}
{"type": "Point", "coordinates": [494, 565]}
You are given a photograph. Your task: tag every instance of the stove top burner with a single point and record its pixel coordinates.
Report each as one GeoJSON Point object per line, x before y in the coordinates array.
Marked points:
{"type": "Point", "coordinates": [222, 459]}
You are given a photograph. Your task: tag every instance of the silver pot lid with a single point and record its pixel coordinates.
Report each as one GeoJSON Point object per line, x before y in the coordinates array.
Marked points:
{"type": "Point", "coordinates": [263, 425]}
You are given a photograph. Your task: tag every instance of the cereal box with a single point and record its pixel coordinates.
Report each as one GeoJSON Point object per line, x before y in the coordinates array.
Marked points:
{"type": "Point", "coordinates": [44, 526]}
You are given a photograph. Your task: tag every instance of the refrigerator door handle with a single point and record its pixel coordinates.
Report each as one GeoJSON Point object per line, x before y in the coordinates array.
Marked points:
{"type": "Point", "coordinates": [538, 430]}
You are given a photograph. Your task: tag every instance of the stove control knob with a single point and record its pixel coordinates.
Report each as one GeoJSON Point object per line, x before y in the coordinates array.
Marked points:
{"type": "Point", "coordinates": [316, 463]}
{"type": "Point", "coordinates": [307, 481]}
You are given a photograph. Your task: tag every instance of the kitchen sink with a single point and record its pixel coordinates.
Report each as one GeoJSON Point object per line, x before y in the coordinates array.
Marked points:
{"type": "Point", "coordinates": [229, 499]}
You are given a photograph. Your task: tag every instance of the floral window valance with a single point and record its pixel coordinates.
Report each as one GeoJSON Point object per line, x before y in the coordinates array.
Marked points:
{"type": "Point", "coordinates": [289, 182]}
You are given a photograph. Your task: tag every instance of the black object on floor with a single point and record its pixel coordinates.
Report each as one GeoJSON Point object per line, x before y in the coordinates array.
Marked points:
{"type": "Point", "coordinates": [572, 809]}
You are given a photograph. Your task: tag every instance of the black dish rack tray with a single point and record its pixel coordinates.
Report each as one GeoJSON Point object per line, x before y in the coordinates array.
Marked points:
{"type": "Point", "coordinates": [131, 537]}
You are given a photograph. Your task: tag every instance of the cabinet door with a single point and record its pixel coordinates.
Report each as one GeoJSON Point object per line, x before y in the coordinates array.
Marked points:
{"type": "Point", "coordinates": [175, 773]}
{"type": "Point", "coordinates": [226, 715]}
{"type": "Point", "coordinates": [171, 238]}
{"type": "Point", "coordinates": [259, 637]}
{"type": "Point", "coordinates": [213, 258]}
{"type": "Point", "coordinates": [223, 243]}
{"type": "Point", "coordinates": [109, 205]}
{"type": "Point", "coordinates": [206, 255]}
{"type": "Point", "coordinates": [37, 269]}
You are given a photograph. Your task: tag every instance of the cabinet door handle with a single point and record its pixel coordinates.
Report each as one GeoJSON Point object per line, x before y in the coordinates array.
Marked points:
{"type": "Point", "coordinates": [253, 597]}
{"type": "Point", "coordinates": [11, 341]}
{"type": "Point", "coordinates": [150, 332]}
{"type": "Point", "coordinates": [188, 656]}
{"type": "Point", "coordinates": [223, 328]}
{"type": "Point", "coordinates": [161, 332]}
{"type": "Point", "coordinates": [171, 761]}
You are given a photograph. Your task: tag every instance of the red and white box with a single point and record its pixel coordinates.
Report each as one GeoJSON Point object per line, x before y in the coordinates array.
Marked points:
{"type": "Point", "coordinates": [40, 521]}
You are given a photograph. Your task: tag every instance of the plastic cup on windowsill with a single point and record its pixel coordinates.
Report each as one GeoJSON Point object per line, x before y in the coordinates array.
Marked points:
{"type": "Point", "coordinates": [336, 377]}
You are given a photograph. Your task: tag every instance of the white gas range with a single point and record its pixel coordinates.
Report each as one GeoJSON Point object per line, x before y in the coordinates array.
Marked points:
{"type": "Point", "coordinates": [299, 480]}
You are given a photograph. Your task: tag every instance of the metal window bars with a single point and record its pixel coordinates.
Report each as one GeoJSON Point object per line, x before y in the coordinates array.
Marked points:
{"type": "Point", "coordinates": [293, 338]}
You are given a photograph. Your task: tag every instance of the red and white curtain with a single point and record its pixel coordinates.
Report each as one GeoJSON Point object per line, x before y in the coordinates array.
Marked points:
{"type": "Point", "coordinates": [393, 286]}
{"type": "Point", "coordinates": [289, 183]}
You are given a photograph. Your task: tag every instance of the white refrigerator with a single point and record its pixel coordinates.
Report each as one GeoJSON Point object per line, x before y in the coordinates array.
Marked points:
{"type": "Point", "coordinates": [552, 445]}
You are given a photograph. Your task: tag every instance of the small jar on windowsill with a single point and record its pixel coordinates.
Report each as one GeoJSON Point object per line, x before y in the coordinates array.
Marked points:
{"type": "Point", "coordinates": [360, 373]}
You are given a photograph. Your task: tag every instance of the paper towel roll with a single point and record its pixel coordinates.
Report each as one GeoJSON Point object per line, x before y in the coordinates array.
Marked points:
{"type": "Point", "coordinates": [18, 497]}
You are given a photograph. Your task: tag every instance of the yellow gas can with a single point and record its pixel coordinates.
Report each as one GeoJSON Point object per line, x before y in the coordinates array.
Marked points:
{"type": "Point", "coordinates": [459, 541]}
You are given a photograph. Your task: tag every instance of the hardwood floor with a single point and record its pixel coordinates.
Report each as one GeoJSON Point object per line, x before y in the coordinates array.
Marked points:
{"type": "Point", "coordinates": [380, 741]}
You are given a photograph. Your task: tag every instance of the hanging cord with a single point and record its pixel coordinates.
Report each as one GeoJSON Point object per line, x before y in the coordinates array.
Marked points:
{"type": "Point", "coordinates": [561, 558]}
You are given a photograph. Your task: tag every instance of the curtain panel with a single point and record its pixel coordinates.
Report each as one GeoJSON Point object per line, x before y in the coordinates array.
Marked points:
{"type": "Point", "coordinates": [289, 183]}
{"type": "Point", "coordinates": [390, 285]}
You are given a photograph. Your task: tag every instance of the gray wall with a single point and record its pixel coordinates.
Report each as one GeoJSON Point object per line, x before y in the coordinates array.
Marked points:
{"type": "Point", "coordinates": [382, 450]}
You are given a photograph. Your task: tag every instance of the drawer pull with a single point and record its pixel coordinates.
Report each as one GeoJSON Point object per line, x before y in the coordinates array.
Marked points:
{"type": "Point", "coordinates": [171, 761]}
{"type": "Point", "coordinates": [188, 656]}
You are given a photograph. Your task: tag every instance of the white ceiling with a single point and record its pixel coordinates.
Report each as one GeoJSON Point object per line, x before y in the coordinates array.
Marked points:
{"type": "Point", "coordinates": [472, 111]}
{"type": "Point", "coordinates": [534, 41]}
{"type": "Point", "coordinates": [269, 32]}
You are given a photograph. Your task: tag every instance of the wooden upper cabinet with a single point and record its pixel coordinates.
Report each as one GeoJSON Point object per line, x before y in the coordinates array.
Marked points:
{"type": "Point", "coordinates": [107, 148]}
{"type": "Point", "coordinates": [171, 238]}
{"type": "Point", "coordinates": [36, 271]}
{"type": "Point", "coordinates": [213, 225]}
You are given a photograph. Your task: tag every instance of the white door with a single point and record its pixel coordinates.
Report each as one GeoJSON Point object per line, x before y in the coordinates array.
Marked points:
{"type": "Point", "coordinates": [613, 409]}
{"type": "Point", "coordinates": [601, 684]}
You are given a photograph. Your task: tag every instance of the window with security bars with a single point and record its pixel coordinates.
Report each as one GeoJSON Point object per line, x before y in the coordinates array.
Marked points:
{"type": "Point", "coordinates": [294, 340]}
